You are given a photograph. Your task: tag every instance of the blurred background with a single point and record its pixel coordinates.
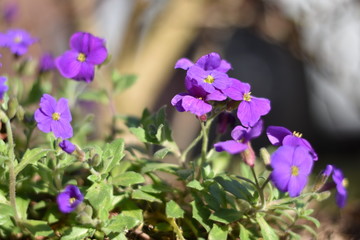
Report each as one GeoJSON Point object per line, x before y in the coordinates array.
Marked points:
{"type": "Point", "coordinates": [304, 55]}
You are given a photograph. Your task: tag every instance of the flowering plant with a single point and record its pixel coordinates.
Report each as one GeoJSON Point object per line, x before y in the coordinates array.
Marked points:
{"type": "Point", "coordinates": [57, 182]}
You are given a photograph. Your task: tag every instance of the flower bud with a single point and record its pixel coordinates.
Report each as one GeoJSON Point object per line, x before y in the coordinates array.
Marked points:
{"type": "Point", "coordinates": [20, 113]}
{"type": "Point", "coordinates": [265, 156]}
{"type": "Point", "coordinates": [95, 160]}
{"type": "Point", "coordinates": [203, 118]}
{"type": "Point", "coordinates": [12, 107]}
{"type": "Point", "coordinates": [249, 155]}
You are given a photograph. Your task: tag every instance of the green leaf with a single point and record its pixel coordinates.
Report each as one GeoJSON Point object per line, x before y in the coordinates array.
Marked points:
{"type": "Point", "coordinates": [156, 188]}
{"type": "Point", "coordinates": [139, 132]}
{"type": "Point", "coordinates": [77, 233]}
{"type": "Point", "coordinates": [266, 231]}
{"type": "Point", "coordinates": [130, 209]}
{"type": "Point", "coordinates": [312, 219]}
{"type": "Point", "coordinates": [22, 206]}
{"type": "Point", "coordinates": [195, 184]}
{"type": "Point", "coordinates": [245, 234]}
{"type": "Point", "coordinates": [119, 224]}
{"type": "Point", "coordinates": [96, 95]}
{"type": "Point", "coordinates": [31, 156]}
{"type": "Point", "coordinates": [122, 82]}
{"type": "Point", "coordinates": [160, 154]}
{"type": "Point", "coordinates": [226, 216]}
{"type": "Point", "coordinates": [112, 155]}
{"type": "Point", "coordinates": [154, 166]}
{"type": "Point", "coordinates": [173, 210]}
{"type": "Point", "coordinates": [128, 178]}
{"type": "Point", "coordinates": [138, 194]}
{"type": "Point", "coordinates": [39, 228]}
{"type": "Point", "coordinates": [218, 232]}
{"type": "Point", "coordinates": [234, 187]}
{"type": "Point", "coordinates": [201, 214]}
{"type": "Point", "coordinates": [6, 212]}
{"type": "Point", "coordinates": [99, 196]}
{"type": "Point", "coordinates": [307, 228]}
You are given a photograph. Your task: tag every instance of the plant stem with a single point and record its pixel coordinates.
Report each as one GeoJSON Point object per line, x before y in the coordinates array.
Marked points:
{"type": "Point", "coordinates": [11, 161]}
{"type": "Point", "coordinates": [177, 230]}
{"type": "Point", "coordinates": [259, 189]}
{"type": "Point", "coordinates": [205, 128]}
{"type": "Point", "coordinates": [192, 144]}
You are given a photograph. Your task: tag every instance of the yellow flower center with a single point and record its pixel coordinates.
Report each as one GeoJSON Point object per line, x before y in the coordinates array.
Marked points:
{"type": "Point", "coordinates": [17, 39]}
{"type": "Point", "coordinates": [297, 134]}
{"type": "Point", "coordinates": [345, 182]}
{"type": "Point", "coordinates": [294, 171]}
{"type": "Point", "coordinates": [209, 79]}
{"type": "Point", "coordinates": [247, 97]}
{"type": "Point", "coordinates": [55, 116]}
{"type": "Point", "coordinates": [72, 200]}
{"type": "Point", "coordinates": [81, 57]}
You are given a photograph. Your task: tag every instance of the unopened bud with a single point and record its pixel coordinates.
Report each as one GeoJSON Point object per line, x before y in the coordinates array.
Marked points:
{"type": "Point", "coordinates": [249, 155]}
{"type": "Point", "coordinates": [203, 118]}
{"type": "Point", "coordinates": [225, 119]}
{"type": "Point", "coordinates": [20, 113]}
{"type": "Point", "coordinates": [95, 160]}
{"type": "Point", "coordinates": [265, 156]}
{"type": "Point", "coordinates": [12, 107]}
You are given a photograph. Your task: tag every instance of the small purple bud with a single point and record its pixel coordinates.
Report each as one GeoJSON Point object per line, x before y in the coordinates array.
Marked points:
{"type": "Point", "coordinates": [225, 120]}
{"type": "Point", "coordinates": [67, 146]}
{"type": "Point", "coordinates": [47, 63]}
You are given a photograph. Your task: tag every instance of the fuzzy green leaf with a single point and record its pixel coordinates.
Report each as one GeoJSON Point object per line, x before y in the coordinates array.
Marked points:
{"type": "Point", "coordinates": [128, 178]}
{"type": "Point", "coordinates": [195, 184]}
{"type": "Point", "coordinates": [218, 232]}
{"type": "Point", "coordinates": [173, 210]}
{"type": "Point", "coordinates": [138, 194]}
{"type": "Point", "coordinates": [100, 196]}
{"type": "Point", "coordinates": [266, 231]}
{"type": "Point", "coordinates": [201, 214]}
{"type": "Point", "coordinates": [31, 156]}
{"type": "Point", "coordinates": [226, 216]}
{"type": "Point", "coordinates": [39, 228]}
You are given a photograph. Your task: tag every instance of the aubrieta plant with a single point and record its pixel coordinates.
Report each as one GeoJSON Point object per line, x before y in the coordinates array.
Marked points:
{"type": "Point", "coordinates": [58, 182]}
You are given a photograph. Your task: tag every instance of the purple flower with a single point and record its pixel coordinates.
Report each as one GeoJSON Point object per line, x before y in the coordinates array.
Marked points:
{"type": "Point", "coordinates": [211, 61]}
{"type": "Point", "coordinates": [340, 183]}
{"type": "Point", "coordinates": [10, 11]}
{"type": "Point", "coordinates": [250, 108]}
{"type": "Point", "coordinates": [196, 100]}
{"type": "Point", "coordinates": [280, 136]}
{"type": "Point", "coordinates": [79, 62]}
{"type": "Point", "coordinates": [209, 80]}
{"type": "Point", "coordinates": [47, 62]}
{"type": "Point", "coordinates": [3, 88]}
{"type": "Point", "coordinates": [291, 168]}
{"type": "Point", "coordinates": [69, 199]}
{"type": "Point", "coordinates": [67, 146]}
{"type": "Point", "coordinates": [17, 40]}
{"type": "Point", "coordinates": [241, 137]}
{"type": "Point", "coordinates": [54, 116]}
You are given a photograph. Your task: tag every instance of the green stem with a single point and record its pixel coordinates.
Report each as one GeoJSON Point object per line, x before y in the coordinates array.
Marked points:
{"type": "Point", "coordinates": [259, 189]}
{"type": "Point", "coordinates": [11, 161]}
{"type": "Point", "coordinates": [205, 128]}
{"type": "Point", "coordinates": [191, 146]}
{"type": "Point", "coordinates": [176, 228]}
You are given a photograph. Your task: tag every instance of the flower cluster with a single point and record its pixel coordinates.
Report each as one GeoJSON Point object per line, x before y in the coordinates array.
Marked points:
{"type": "Point", "coordinates": [207, 82]}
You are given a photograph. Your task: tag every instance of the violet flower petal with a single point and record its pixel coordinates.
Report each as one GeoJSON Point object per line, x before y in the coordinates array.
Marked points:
{"type": "Point", "coordinates": [230, 146]}
{"type": "Point", "coordinates": [68, 65]}
{"type": "Point", "coordinates": [183, 63]}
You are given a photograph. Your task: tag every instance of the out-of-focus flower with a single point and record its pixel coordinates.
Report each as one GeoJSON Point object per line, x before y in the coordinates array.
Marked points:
{"type": "Point", "coordinates": [54, 116]}
{"type": "Point", "coordinates": [69, 199]}
{"type": "Point", "coordinates": [9, 12]}
{"type": "Point", "coordinates": [340, 183]}
{"type": "Point", "coordinates": [211, 61]}
{"type": "Point", "coordinates": [3, 87]}
{"type": "Point", "coordinates": [241, 136]}
{"type": "Point", "coordinates": [47, 63]}
{"type": "Point", "coordinates": [79, 62]}
{"type": "Point", "coordinates": [17, 40]}
{"type": "Point", "coordinates": [67, 146]}
{"type": "Point", "coordinates": [279, 136]}
{"type": "Point", "coordinates": [250, 108]}
{"type": "Point", "coordinates": [291, 168]}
